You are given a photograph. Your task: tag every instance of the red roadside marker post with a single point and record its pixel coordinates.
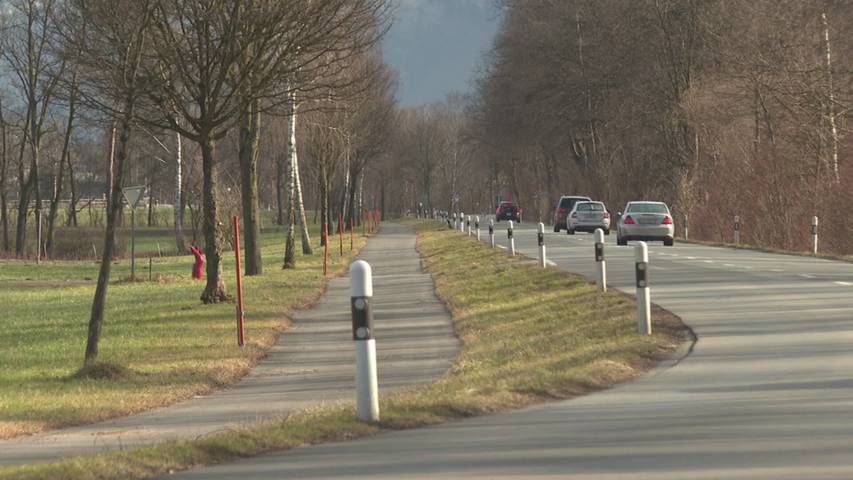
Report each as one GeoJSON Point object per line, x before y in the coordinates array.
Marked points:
{"type": "Point", "coordinates": [325, 248]}
{"type": "Point", "coordinates": [240, 320]}
{"type": "Point", "coordinates": [341, 233]}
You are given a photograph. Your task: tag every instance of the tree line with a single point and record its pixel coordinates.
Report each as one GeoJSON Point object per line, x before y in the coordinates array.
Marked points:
{"type": "Point", "coordinates": [717, 107]}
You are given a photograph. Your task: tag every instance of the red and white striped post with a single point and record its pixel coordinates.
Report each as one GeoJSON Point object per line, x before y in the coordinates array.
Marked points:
{"type": "Point", "coordinates": [240, 320]}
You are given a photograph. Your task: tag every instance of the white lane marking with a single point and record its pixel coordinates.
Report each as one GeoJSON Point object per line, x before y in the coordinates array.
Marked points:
{"type": "Point", "coordinates": [775, 270]}
{"type": "Point", "coordinates": [843, 284]}
{"type": "Point", "coordinates": [674, 254]}
{"type": "Point", "coordinates": [805, 275]}
{"type": "Point", "coordinates": [657, 267]}
{"type": "Point", "coordinates": [691, 258]}
{"type": "Point", "coordinates": [708, 261]}
{"type": "Point", "coordinates": [728, 265]}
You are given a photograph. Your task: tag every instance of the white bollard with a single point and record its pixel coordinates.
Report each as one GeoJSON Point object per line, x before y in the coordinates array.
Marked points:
{"type": "Point", "coordinates": [491, 232]}
{"type": "Point", "coordinates": [511, 240]}
{"type": "Point", "coordinates": [601, 276]}
{"type": "Point", "coordinates": [367, 386]}
{"type": "Point", "coordinates": [477, 226]}
{"type": "Point", "coordinates": [468, 224]}
{"type": "Point", "coordinates": [641, 265]}
{"type": "Point", "coordinates": [461, 221]}
{"type": "Point", "coordinates": [686, 229]}
{"type": "Point", "coordinates": [540, 238]}
{"type": "Point", "coordinates": [814, 235]}
{"type": "Point", "coordinates": [737, 229]}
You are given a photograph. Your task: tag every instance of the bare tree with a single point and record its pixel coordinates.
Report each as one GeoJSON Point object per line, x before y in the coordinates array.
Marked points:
{"type": "Point", "coordinates": [36, 71]}
{"type": "Point", "coordinates": [63, 161]}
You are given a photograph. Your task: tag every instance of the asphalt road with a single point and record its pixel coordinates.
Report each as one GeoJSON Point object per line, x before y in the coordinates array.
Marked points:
{"type": "Point", "coordinates": [313, 363]}
{"type": "Point", "coordinates": [767, 392]}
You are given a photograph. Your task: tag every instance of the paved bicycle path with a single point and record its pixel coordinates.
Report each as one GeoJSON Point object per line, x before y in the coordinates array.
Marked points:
{"type": "Point", "coordinates": [313, 363]}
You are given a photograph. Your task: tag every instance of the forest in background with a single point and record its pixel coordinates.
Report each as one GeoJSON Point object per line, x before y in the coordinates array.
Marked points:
{"type": "Point", "coordinates": [717, 107]}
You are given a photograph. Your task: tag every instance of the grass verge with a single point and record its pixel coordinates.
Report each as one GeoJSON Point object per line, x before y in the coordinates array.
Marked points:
{"type": "Point", "coordinates": [529, 336]}
{"type": "Point", "coordinates": [159, 343]}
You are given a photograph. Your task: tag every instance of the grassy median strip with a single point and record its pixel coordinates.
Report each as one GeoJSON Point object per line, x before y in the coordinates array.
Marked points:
{"type": "Point", "coordinates": [529, 335]}
{"type": "Point", "coordinates": [159, 345]}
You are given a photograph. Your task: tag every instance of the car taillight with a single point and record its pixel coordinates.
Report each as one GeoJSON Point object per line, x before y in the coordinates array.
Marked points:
{"type": "Point", "coordinates": [561, 211]}
{"type": "Point", "coordinates": [629, 220]}
{"type": "Point", "coordinates": [666, 221]}
{"type": "Point", "coordinates": [574, 214]}
{"type": "Point", "coordinates": [606, 215]}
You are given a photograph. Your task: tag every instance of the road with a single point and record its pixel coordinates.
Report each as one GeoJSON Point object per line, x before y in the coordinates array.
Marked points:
{"type": "Point", "coordinates": [767, 392]}
{"type": "Point", "coordinates": [313, 363]}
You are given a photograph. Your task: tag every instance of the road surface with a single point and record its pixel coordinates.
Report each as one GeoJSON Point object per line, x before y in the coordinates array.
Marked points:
{"type": "Point", "coordinates": [767, 392]}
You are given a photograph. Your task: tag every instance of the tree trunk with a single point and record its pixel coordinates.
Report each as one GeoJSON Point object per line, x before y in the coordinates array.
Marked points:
{"type": "Point", "coordinates": [830, 107]}
{"type": "Point", "coordinates": [289, 191]}
{"type": "Point", "coordinates": [4, 211]}
{"type": "Point", "coordinates": [214, 291]}
{"type": "Point", "coordinates": [178, 207]}
{"type": "Point", "coordinates": [110, 163]}
{"type": "Point", "coordinates": [325, 187]}
{"type": "Point", "coordinates": [250, 125]}
{"type": "Point", "coordinates": [297, 194]}
{"type": "Point", "coordinates": [280, 170]}
{"type": "Point", "coordinates": [150, 205]}
{"type": "Point", "coordinates": [113, 209]}
{"type": "Point", "coordinates": [72, 205]}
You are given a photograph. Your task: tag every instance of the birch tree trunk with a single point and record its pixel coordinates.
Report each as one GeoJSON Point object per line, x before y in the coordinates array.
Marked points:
{"type": "Point", "coordinates": [290, 187]}
{"type": "Point", "coordinates": [297, 194]}
{"type": "Point", "coordinates": [179, 217]}
{"type": "Point", "coordinates": [830, 107]}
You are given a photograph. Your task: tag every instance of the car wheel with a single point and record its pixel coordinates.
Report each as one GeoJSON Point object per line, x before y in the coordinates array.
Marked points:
{"type": "Point", "coordinates": [556, 229]}
{"type": "Point", "coordinates": [570, 231]}
{"type": "Point", "coordinates": [607, 231]}
{"type": "Point", "coordinates": [669, 242]}
{"type": "Point", "coordinates": [621, 241]}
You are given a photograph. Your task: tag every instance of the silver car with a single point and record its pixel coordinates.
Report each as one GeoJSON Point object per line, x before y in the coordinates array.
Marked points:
{"type": "Point", "coordinates": [587, 217]}
{"type": "Point", "coordinates": [645, 221]}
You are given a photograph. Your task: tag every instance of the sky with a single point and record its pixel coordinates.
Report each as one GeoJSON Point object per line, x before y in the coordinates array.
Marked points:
{"type": "Point", "coordinates": [437, 46]}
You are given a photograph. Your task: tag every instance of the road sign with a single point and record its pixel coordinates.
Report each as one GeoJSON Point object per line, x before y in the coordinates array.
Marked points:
{"type": "Point", "coordinates": [133, 195]}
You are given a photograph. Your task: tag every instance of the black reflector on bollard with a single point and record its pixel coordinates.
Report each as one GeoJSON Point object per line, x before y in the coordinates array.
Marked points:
{"type": "Point", "coordinates": [642, 270]}
{"type": "Point", "coordinates": [540, 237]}
{"type": "Point", "coordinates": [362, 318]}
{"type": "Point", "coordinates": [599, 252]}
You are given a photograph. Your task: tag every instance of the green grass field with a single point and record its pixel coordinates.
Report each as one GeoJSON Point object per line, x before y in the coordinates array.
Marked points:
{"type": "Point", "coordinates": [529, 336]}
{"type": "Point", "coordinates": [171, 346]}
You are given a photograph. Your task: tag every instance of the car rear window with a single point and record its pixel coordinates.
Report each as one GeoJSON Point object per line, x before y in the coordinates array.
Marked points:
{"type": "Point", "coordinates": [647, 208]}
{"type": "Point", "coordinates": [569, 202]}
{"type": "Point", "coordinates": [590, 207]}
